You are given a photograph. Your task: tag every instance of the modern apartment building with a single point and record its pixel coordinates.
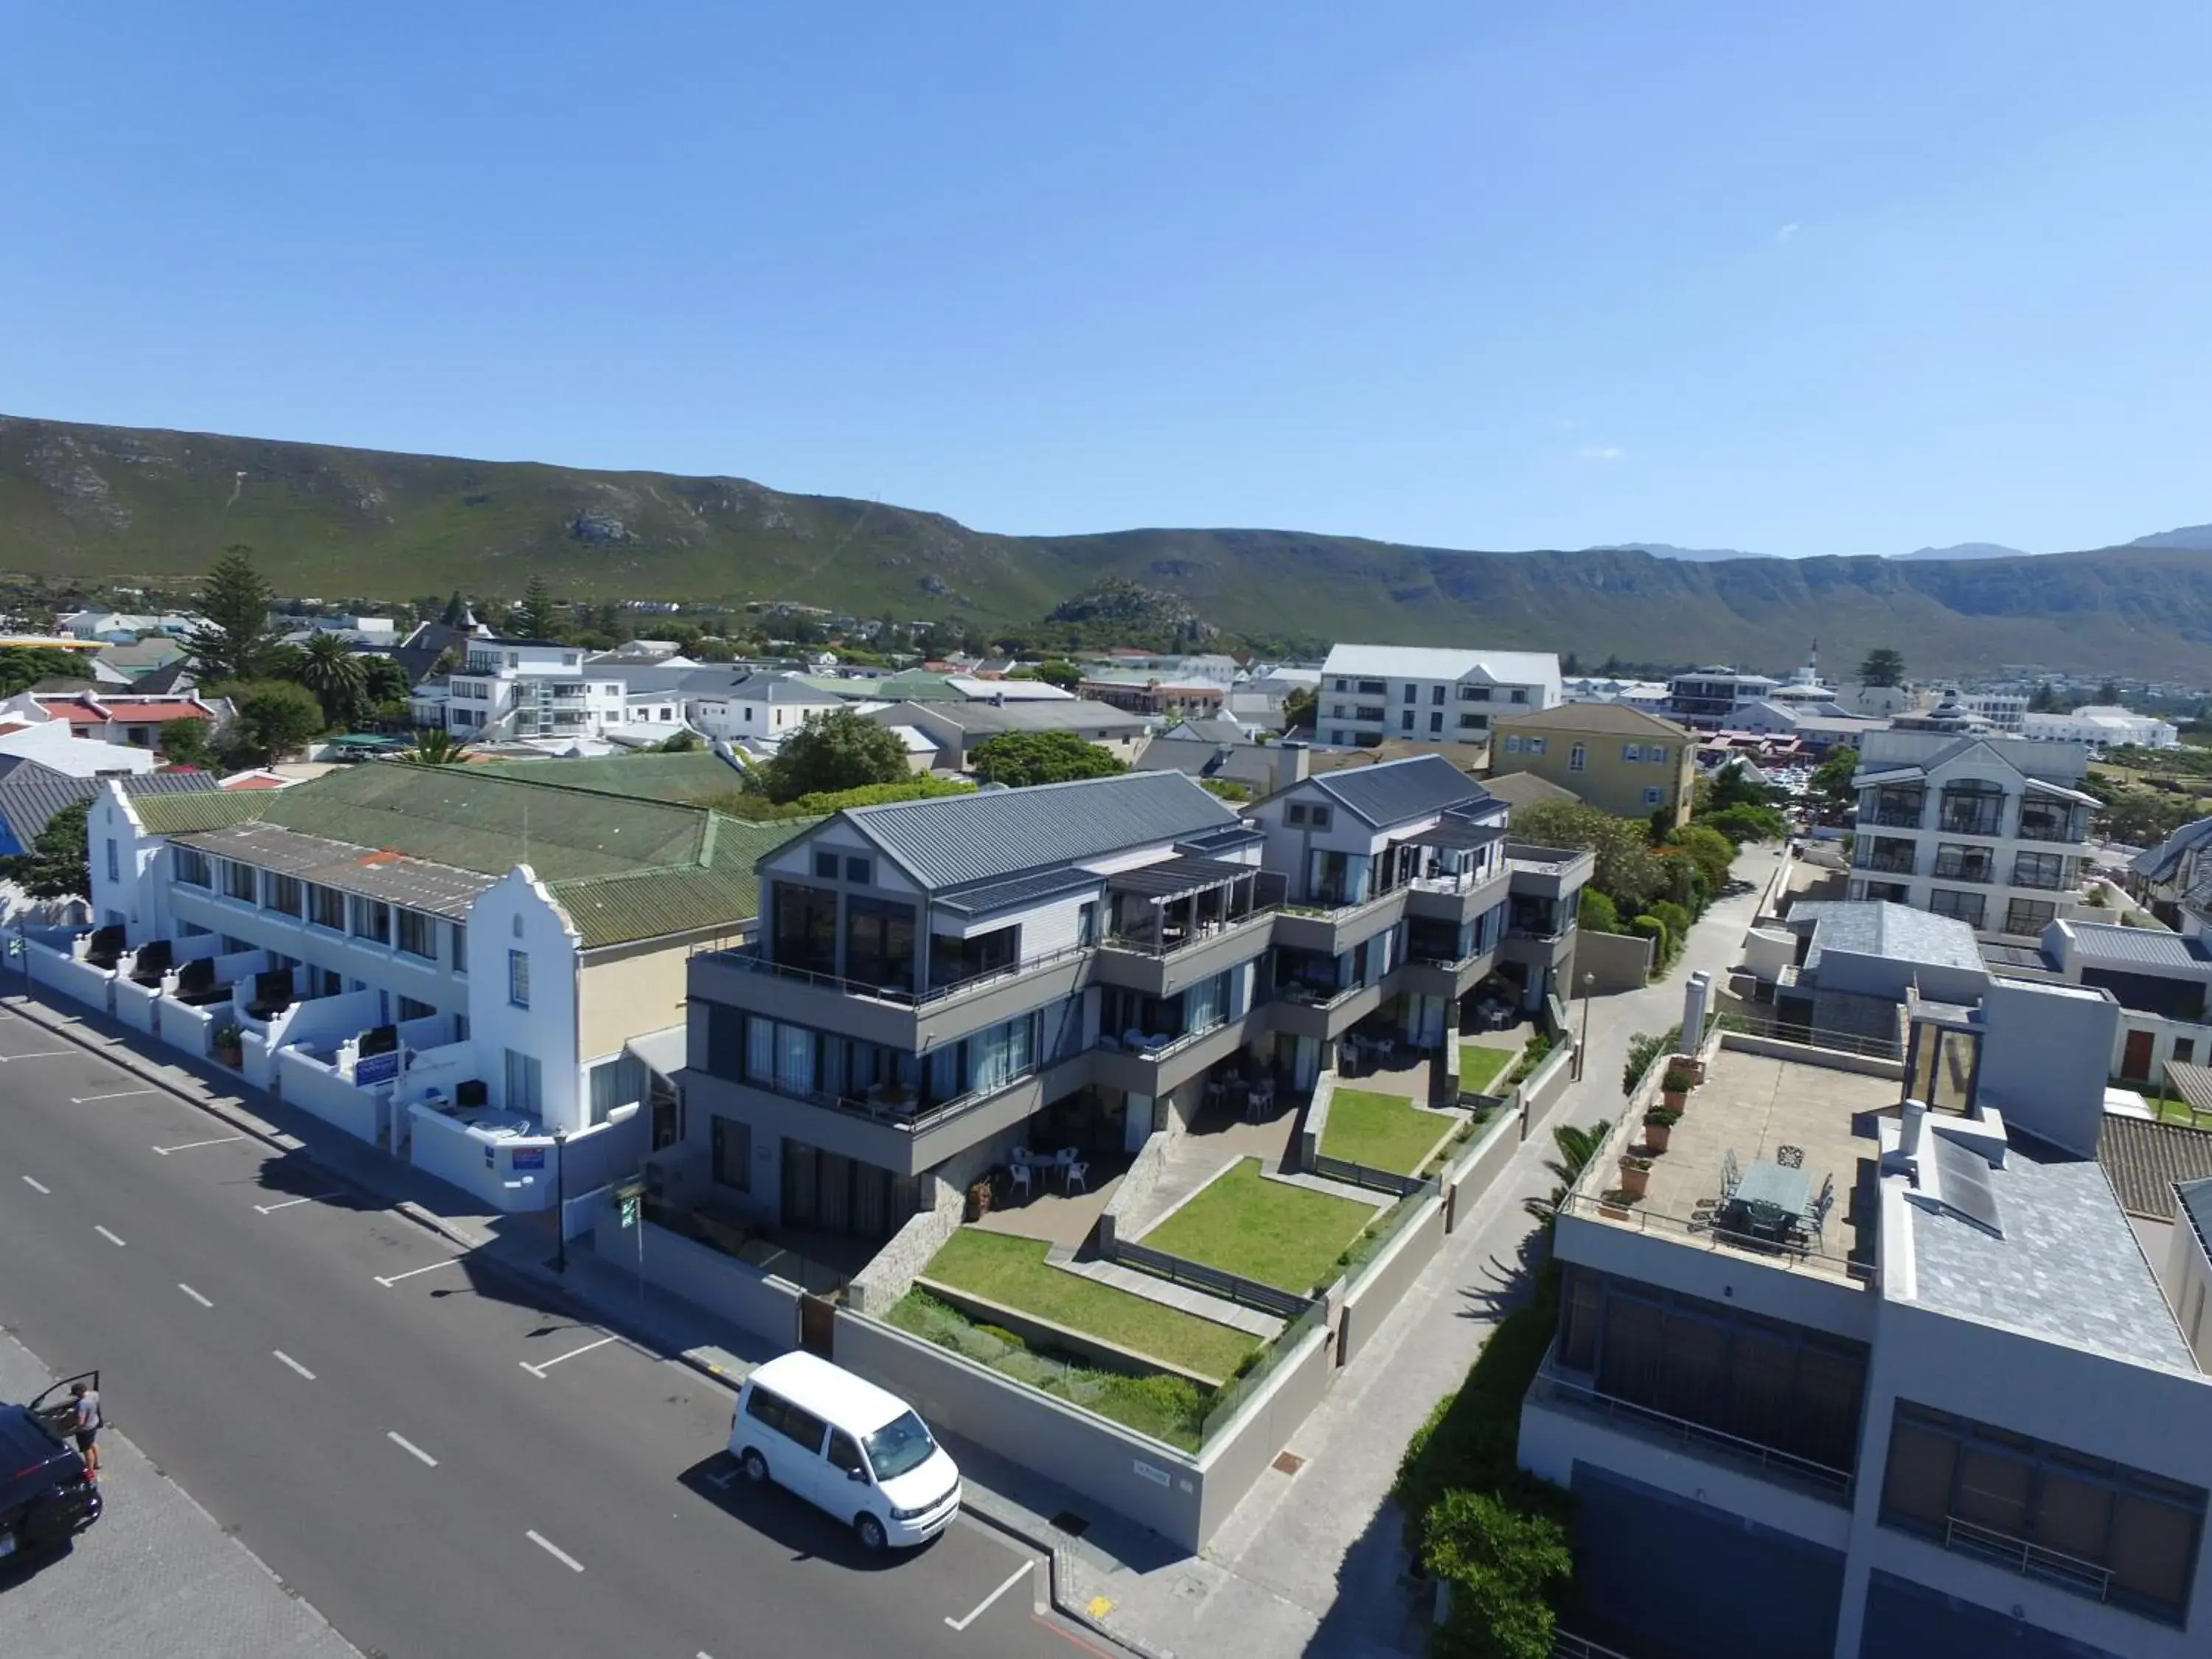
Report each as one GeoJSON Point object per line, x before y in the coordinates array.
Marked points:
{"type": "Point", "coordinates": [935, 980]}
{"type": "Point", "coordinates": [1704, 698]}
{"type": "Point", "coordinates": [1993, 831]}
{"type": "Point", "coordinates": [1423, 694]}
{"type": "Point", "coordinates": [1876, 1364]}
{"type": "Point", "coordinates": [390, 940]}
{"type": "Point", "coordinates": [524, 689]}
{"type": "Point", "coordinates": [1617, 758]}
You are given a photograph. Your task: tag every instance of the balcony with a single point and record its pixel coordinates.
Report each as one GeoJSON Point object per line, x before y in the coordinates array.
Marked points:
{"type": "Point", "coordinates": [1457, 899]}
{"type": "Point", "coordinates": [1331, 930]}
{"type": "Point", "coordinates": [1548, 871]}
{"type": "Point", "coordinates": [1981, 870]}
{"type": "Point", "coordinates": [1163, 969]}
{"type": "Point", "coordinates": [895, 1016]}
{"type": "Point", "coordinates": [1887, 858]}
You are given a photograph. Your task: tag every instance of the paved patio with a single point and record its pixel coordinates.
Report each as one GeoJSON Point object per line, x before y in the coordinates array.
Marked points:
{"type": "Point", "coordinates": [1060, 1218]}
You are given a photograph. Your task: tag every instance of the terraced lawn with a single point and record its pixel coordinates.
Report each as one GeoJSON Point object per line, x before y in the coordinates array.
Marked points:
{"type": "Point", "coordinates": [1383, 1132]}
{"type": "Point", "coordinates": [1281, 1235]}
{"type": "Point", "coordinates": [1013, 1272]}
{"type": "Point", "coordinates": [1480, 1066]}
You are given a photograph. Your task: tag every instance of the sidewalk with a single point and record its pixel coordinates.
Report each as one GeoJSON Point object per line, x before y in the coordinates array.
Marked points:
{"type": "Point", "coordinates": [1311, 1562]}
{"type": "Point", "coordinates": [156, 1575]}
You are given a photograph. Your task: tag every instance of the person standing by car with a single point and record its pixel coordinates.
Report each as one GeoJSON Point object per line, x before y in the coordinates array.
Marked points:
{"type": "Point", "coordinates": [87, 1427]}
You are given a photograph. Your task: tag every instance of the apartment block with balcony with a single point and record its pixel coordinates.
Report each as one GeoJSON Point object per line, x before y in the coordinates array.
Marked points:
{"type": "Point", "coordinates": [524, 688]}
{"type": "Point", "coordinates": [1993, 831]}
{"type": "Point", "coordinates": [459, 963]}
{"type": "Point", "coordinates": [1422, 694]}
{"type": "Point", "coordinates": [1705, 698]}
{"type": "Point", "coordinates": [937, 980]}
{"type": "Point", "coordinates": [1876, 1364]}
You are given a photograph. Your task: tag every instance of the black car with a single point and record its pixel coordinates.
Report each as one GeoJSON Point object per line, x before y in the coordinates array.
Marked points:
{"type": "Point", "coordinates": [46, 1498]}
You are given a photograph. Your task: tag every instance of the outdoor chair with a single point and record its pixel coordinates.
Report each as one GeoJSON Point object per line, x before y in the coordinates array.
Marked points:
{"type": "Point", "coordinates": [1078, 1175]}
{"type": "Point", "coordinates": [1789, 1157]}
{"type": "Point", "coordinates": [1022, 1177]}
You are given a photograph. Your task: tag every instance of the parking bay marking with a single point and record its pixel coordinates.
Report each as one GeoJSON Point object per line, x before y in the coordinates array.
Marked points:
{"type": "Point", "coordinates": [286, 1204]}
{"type": "Point", "coordinates": [554, 1551]}
{"type": "Point", "coordinates": [410, 1447]}
{"type": "Point", "coordinates": [38, 1186]}
{"type": "Point", "coordinates": [194, 1294]}
{"type": "Point", "coordinates": [411, 1272]}
{"type": "Point", "coordinates": [120, 1094]}
{"type": "Point", "coordinates": [540, 1370]}
{"type": "Point", "coordinates": [293, 1364]}
{"type": "Point", "coordinates": [983, 1606]}
{"type": "Point", "coordinates": [40, 1053]}
{"type": "Point", "coordinates": [107, 1235]}
{"type": "Point", "coordinates": [220, 1141]}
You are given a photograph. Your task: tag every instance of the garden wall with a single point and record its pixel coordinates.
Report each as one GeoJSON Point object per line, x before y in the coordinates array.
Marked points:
{"type": "Point", "coordinates": [1542, 1088]}
{"type": "Point", "coordinates": [135, 1004]}
{"type": "Point", "coordinates": [306, 1082]}
{"type": "Point", "coordinates": [59, 971]}
{"type": "Point", "coordinates": [1620, 961]}
{"type": "Point", "coordinates": [1465, 1181]}
{"type": "Point", "coordinates": [1314, 1124]}
{"type": "Point", "coordinates": [1384, 1279]}
{"type": "Point", "coordinates": [1136, 1188]}
{"type": "Point", "coordinates": [753, 1300]}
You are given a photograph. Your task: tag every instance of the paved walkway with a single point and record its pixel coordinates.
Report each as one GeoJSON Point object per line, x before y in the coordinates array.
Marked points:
{"type": "Point", "coordinates": [1153, 1288]}
{"type": "Point", "coordinates": [156, 1576]}
{"type": "Point", "coordinates": [1310, 1562]}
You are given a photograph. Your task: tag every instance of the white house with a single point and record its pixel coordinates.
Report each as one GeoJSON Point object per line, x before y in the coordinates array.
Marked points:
{"type": "Point", "coordinates": [507, 688]}
{"type": "Point", "coordinates": [1424, 694]}
{"type": "Point", "coordinates": [2105, 726]}
{"type": "Point", "coordinates": [761, 708]}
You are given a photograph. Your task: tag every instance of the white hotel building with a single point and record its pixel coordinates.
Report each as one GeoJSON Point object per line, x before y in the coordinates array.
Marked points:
{"type": "Point", "coordinates": [1427, 694]}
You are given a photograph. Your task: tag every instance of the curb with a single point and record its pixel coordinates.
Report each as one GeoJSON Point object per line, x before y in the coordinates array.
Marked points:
{"type": "Point", "coordinates": [121, 1054]}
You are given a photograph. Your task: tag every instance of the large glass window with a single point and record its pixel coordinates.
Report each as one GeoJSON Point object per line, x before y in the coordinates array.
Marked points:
{"type": "Point", "coordinates": [241, 881]}
{"type": "Point", "coordinates": [372, 920]}
{"type": "Point", "coordinates": [2029, 915]}
{"type": "Point", "coordinates": [282, 893]}
{"type": "Point", "coordinates": [1951, 902]}
{"type": "Point", "coordinates": [2043, 819]}
{"type": "Point", "coordinates": [1972, 807]}
{"type": "Point", "coordinates": [879, 943]}
{"type": "Point", "coordinates": [418, 934]}
{"type": "Point", "coordinates": [191, 866]}
{"type": "Point", "coordinates": [2045, 870]}
{"type": "Point", "coordinates": [806, 927]}
{"type": "Point", "coordinates": [2086, 1524]}
{"type": "Point", "coordinates": [1956, 861]}
{"type": "Point", "coordinates": [1003, 1053]}
{"type": "Point", "coordinates": [326, 908]}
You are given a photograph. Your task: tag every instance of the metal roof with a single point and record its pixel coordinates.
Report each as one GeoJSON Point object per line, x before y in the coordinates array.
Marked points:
{"type": "Point", "coordinates": [949, 841]}
{"type": "Point", "coordinates": [1458, 835]}
{"type": "Point", "coordinates": [2144, 1158]}
{"type": "Point", "coordinates": [2101, 944]}
{"type": "Point", "coordinates": [2192, 1083]}
{"type": "Point", "coordinates": [1174, 878]}
{"type": "Point", "coordinates": [1076, 714]}
{"type": "Point", "coordinates": [689, 778]}
{"type": "Point", "coordinates": [1416, 662]}
{"type": "Point", "coordinates": [1398, 790]}
{"type": "Point", "coordinates": [1612, 719]}
{"type": "Point", "coordinates": [347, 866]}
{"type": "Point", "coordinates": [1020, 891]}
{"type": "Point", "coordinates": [32, 793]}
{"type": "Point", "coordinates": [2163, 861]}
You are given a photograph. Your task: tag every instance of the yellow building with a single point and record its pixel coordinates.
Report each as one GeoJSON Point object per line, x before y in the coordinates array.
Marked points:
{"type": "Point", "coordinates": [1619, 760]}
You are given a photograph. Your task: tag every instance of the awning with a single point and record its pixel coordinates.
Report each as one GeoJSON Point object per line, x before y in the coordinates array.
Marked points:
{"type": "Point", "coordinates": [663, 1052]}
{"type": "Point", "coordinates": [1174, 878]}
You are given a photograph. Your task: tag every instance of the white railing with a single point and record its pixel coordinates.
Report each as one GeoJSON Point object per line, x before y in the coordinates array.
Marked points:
{"type": "Point", "coordinates": [2029, 1560]}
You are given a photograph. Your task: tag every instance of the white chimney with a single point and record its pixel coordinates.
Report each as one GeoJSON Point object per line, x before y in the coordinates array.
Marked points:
{"type": "Point", "coordinates": [1908, 1139]}
{"type": "Point", "coordinates": [1695, 995]}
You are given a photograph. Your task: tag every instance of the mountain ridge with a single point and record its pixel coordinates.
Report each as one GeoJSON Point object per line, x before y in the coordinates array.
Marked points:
{"type": "Point", "coordinates": [81, 501]}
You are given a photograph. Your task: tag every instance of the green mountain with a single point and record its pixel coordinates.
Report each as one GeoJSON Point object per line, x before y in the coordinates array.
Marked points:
{"type": "Point", "coordinates": [90, 502]}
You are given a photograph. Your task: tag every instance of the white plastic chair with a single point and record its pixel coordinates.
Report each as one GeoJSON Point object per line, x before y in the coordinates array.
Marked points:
{"type": "Point", "coordinates": [1078, 1175]}
{"type": "Point", "coordinates": [1022, 1175]}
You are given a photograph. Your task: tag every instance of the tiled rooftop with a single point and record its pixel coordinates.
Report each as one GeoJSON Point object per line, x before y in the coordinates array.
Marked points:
{"type": "Point", "coordinates": [1755, 1106]}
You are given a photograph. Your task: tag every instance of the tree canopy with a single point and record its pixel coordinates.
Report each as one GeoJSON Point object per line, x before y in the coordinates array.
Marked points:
{"type": "Point", "coordinates": [1884, 665]}
{"type": "Point", "coordinates": [59, 865]}
{"type": "Point", "coordinates": [233, 638]}
{"type": "Point", "coordinates": [275, 717]}
{"type": "Point", "coordinates": [1626, 870]}
{"type": "Point", "coordinates": [533, 617]}
{"type": "Point", "coordinates": [1057, 671]}
{"type": "Point", "coordinates": [1023, 758]}
{"type": "Point", "coordinates": [841, 749]}
{"type": "Point", "coordinates": [328, 665]}
{"type": "Point", "coordinates": [1300, 708]}
{"type": "Point", "coordinates": [23, 667]}
{"type": "Point", "coordinates": [1831, 779]}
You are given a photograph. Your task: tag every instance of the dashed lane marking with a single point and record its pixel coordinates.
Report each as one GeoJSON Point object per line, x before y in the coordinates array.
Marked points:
{"type": "Point", "coordinates": [194, 1294]}
{"type": "Point", "coordinates": [554, 1551]}
{"type": "Point", "coordinates": [288, 1360]}
{"type": "Point", "coordinates": [286, 1204]}
{"type": "Point", "coordinates": [119, 1094]}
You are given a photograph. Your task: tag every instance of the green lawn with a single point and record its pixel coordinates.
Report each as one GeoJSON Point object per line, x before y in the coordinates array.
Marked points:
{"type": "Point", "coordinates": [1478, 1066]}
{"type": "Point", "coordinates": [1013, 1272]}
{"type": "Point", "coordinates": [1285, 1236]}
{"type": "Point", "coordinates": [1383, 1132]}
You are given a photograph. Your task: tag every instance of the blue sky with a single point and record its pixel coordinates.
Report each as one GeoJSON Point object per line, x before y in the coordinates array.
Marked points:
{"type": "Point", "coordinates": [1796, 279]}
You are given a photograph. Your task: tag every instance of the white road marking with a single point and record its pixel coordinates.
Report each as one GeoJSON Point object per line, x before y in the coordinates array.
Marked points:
{"type": "Point", "coordinates": [540, 1370]}
{"type": "Point", "coordinates": [982, 1606]}
{"type": "Point", "coordinates": [40, 1053]}
{"type": "Point", "coordinates": [556, 1552]}
{"type": "Point", "coordinates": [38, 1186]}
{"type": "Point", "coordinates": [409, 1446]}
{"type": "Point", "coordinates": [107, 1235]}
{"type": "Point", "coordinates": [220, 1141]}
{"type": "Point", "coordinates": [120, 1094]}
{"type": "Point", "coordinates": [293, 1364]}
{"type": "Point", "coordinates": [411, 1272]}
{"type": "Point", "coordinates": [311, 1197]}
{"type": "Point", "coordinates": [194, 1294]}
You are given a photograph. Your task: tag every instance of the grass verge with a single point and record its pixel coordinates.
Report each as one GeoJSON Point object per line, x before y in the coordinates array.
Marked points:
{"type": "Point", "coordinates": [1478, 1066]}
{"type": "Point", "coordinates": [1279, 1234]}
{"type": "Point", "coordinates": [1014, 1271]}
{"type": "Point", "coordinates": [1383, 1132]}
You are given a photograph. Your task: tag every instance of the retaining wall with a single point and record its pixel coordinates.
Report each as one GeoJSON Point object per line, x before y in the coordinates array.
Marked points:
{"type": "Point", "coordinates": [1045, 1334]}
{"type": "Point", "coordinates": [183, 1026]}
{"type": "Point", "coordinates": [1383, 1281]}
{"type": "Point", "coordinates": [740, 1292]}
{"type": "Point", "coordinates": [1621, 962]}
{"type": "Point", "coordinates": [1314, 1124]}
{"type": "Point", "coordinates": [1135, 1190]}
{"type": "Point", "coordinates": [1542, 1088]}
{"type": "Point", "coordinates": [891, 1271]}
{"type": "Point", "coordinates": [135, 1004]}
{"type": "Point", "coordinates": [1489, 1152]}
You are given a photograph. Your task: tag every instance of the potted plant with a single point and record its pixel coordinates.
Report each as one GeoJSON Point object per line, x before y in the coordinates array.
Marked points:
{"type": "Point", "coordinates": [1658, 1126]}
{"type": "Point", "coordinates": [1691, 1064]}
{"type": "Point", "coordinates": [979, 1199]}
{"type": "Point", "coordinates": [1635, 1174]}
{"type": "Point", "coordinates": [1613, 1203]}
{"type": "Point", "coordinates": [229, 1044]}
{"type": "Point", "coordinates": [1674, 1087]}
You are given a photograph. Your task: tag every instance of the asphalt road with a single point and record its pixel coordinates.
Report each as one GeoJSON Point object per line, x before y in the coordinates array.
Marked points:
{"type": "Point", "coordinates": [443, 1458]}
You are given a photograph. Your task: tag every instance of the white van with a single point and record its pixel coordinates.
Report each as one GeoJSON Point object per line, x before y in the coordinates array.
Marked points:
{"type": "Point", "coordinates": [846, 1446]}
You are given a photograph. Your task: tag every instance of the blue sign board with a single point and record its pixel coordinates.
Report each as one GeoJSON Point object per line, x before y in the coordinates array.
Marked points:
{"type": "Point", "coordinates": [376, 1068]}
{"type": "Point", "coordinates": [530, 1157]}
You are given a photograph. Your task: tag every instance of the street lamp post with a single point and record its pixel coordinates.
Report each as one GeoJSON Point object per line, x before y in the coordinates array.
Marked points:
{"type": "Point", "coordinates": [1581, 1045]}
{"type": "Point", "coordinates": [560, 1200]}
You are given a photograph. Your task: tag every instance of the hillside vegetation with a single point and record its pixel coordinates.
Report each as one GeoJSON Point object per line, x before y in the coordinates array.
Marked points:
{"type": "Point", "coordinates": [90, 502]}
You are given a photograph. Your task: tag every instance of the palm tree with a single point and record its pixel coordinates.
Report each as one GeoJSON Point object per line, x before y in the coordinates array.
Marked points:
{"type": "Point", "coordinates": [1578, 1146]}
{"type": "Point", "coordinates": [435, 746]}
{"type": "Point", "coordinates": [330, 668]}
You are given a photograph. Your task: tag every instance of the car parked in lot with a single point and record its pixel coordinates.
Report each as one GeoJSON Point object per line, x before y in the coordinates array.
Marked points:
{"type": "Point", "coordinates": [46, 1497]}
{"type": "Point", "coordinates": [846, 1446]}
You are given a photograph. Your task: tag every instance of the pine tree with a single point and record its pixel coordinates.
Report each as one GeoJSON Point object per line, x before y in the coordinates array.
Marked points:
{"type": "Point", "coordinates": [232, 638]}
{"type": "Point", "coordinates": [533, 617]}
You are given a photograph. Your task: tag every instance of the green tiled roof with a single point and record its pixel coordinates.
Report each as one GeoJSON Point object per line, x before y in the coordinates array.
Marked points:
{"type": "Point", "coordinates": [678, 778]}
{"type": "Point", "coordinates": [623, 868]}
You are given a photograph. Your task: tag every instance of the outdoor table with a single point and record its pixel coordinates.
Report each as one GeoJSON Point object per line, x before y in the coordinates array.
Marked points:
{"type": "Point", "coordinates": [1764, 1182]}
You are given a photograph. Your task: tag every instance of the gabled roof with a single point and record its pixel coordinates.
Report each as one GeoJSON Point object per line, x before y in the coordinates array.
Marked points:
{"type": "Point", "coordinates": [781, 688]}
{"type": "Point", "coordinates": [623, 868]}
{"type": "Point", "coordinates": [952, 841]}
{"type": "Point", "coordinates": [31, 794]}
{"type": "Point", "coordinates": [2163, 861]}
{"type": "Point", "coordinates": [1526, 789]}
{"type": "Point", "coordinates": [1419, 786]}
{"type": "Point", "coordinates": [1610, 718]}
{"type": "Point", "coordinates": [1077, 715]}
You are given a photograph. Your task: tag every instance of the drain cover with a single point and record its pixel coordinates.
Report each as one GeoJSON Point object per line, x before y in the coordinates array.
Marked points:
{"type": "Point", "coordinates": [1069, 1522]}
{"type": "Point", "coordinates": [1289, 1462]}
